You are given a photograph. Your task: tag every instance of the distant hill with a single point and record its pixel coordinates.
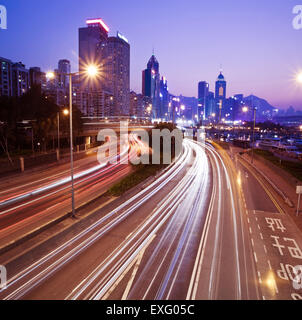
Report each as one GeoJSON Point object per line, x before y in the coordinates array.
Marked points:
{"type": "Point", "coordinates": [265, 111]}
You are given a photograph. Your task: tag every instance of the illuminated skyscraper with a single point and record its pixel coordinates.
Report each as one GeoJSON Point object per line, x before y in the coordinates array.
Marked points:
{"type": "Point", "coordinates": [115, 53]}
{"type": "Point", "coordinates": [203, 91]}
{"type": "Point", "coordinates": [220, 93]}
{"type": "Point", "coordinates": [151, 86]}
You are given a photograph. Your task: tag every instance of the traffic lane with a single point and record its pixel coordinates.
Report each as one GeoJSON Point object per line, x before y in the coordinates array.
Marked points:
{"type": "Point", "coordinates": [61, 284]}
{"type": "Point", "coordinates": [255, 196]}
{"type": "Point", "coordinates": [31, 217]}
{"type": "Point", "coordinates": [225, 264]}
{"type": "Point", "coordinates": [44, 201]}
{"type": "Point", "coordinates": [26, 181]}
{"type": "Point", "coordinates": [166, 267]}
{"type": "Point", "coordinates": [277, 245]}
{"type": "Point", "coordinates": [278, 248]}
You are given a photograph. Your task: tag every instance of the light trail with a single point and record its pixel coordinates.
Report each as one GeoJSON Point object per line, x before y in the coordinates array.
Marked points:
{"type": "Point", "coordinates": [146, 194]}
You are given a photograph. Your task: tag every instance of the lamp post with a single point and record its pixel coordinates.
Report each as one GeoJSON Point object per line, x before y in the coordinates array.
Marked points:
{"type": "Point", "coordinates": [246, 109]}
{"type": "Point", "coordinates": [66, 113]}
{"type": "Point", "coordinates": [91, 71]}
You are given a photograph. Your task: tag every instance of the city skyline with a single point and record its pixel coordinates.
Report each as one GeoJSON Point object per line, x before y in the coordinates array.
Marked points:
{"type": "Point", "coordinates": [261, 71]}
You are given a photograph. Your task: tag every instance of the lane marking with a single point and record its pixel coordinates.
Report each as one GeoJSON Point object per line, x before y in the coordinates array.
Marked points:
{"type": "Point", "coordinates": [138, 262]}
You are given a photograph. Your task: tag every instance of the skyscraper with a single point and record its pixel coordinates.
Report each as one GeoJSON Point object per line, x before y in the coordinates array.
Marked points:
{"type": "Point", "coordinates": [91, 39]}
{"type": "Point", "coordinates": [116, 71]}
{"type": "Point", "coordinates": [220, 93]}
{"type": "Point", "coordinates": [151, 86]}
{"type": "Point", "coordinates": [203, 91]}
{"type": "Point", "coordinates": [90, 93]}
{"type": "Point", "coordinates": [112, 57]}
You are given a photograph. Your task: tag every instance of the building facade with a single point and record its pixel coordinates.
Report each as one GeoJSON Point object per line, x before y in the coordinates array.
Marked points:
{"type": "Point", "coordinates": [203, 92]}
{"type": "Point", "coordinates": [5, 77]}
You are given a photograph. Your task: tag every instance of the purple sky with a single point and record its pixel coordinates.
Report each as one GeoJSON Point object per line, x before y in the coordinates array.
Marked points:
{"type": "Point", "coordinates": [254, 41]}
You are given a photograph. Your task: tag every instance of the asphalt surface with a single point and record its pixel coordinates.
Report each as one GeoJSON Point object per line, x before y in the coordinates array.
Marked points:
{"type": "Point", "coordinates": [207, 228]}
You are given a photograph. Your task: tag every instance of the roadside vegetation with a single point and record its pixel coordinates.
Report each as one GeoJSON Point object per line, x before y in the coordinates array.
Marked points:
{"type": "Point", "coordinates": [143, 171]}
{"type": "Point", "coordinates": [40, 113]}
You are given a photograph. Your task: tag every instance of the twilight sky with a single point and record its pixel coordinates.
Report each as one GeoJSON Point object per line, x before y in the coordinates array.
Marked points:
{"type": "Point", "coordinates": [254, 41]}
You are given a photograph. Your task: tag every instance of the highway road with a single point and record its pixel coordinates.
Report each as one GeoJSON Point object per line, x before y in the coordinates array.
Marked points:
{"type": "Point", "coordinates": [194, 233]}
{"type": "Point", "coordinates": [28, 205]}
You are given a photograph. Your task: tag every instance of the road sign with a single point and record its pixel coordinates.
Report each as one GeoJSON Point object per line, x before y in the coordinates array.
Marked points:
{"type": "Point", "coordinates": [299, 189]}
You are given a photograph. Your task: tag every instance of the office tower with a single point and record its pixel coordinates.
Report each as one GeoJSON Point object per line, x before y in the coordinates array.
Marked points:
{"type": "Point", "coordinates": [116, 53]}
{"type": "Point", "coordinates": [91, 39]}
{"type": "Point", "coordinates": [64, 68]}
{"type": "Point", "coordinates": [211, 108]}
{"type": "Point", "coordinates": [5, 77]}
{"type": "Point", "coordinates": [220, 93]}
{"type": "Point", "coordinates": [111, 55]}
{"type": "Point", "coordinates": [151, 86]}
{"type": "Point", "coordinates": [20, 79]}
{"type": "Point", "coordinates": [90, 94]}
{"type": "Point", "coordinates": [37, 78]}
{"type": "Point", "coordinates": [137, 106]}
{"type": "Point", "coordinates": [164, 99]}
{"type": "Point", "coordinates": [203, 91]}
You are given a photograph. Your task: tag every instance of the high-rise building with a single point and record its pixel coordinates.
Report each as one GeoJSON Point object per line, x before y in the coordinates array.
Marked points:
{"type": "Point", "coordinates": [151, 86]}
{"type": "Point", "coordinates": [91, 39]}
{"type": "Point", "coordinates": [5, 77]}
{"type": "Point", "coordinates": [37, 78]}
{"type": "Point", "coordinates": [111, 55]}
{"type": "Point", "coordinates": [64, 68]}
{"type": "Point", "coordinates": [220, 93]}
{"type": "Point", "coordinates": [89, 94]}
{"type": "Point", "coordinates": [20, 79]}
{"type": "Point", "coordinates": [203, 91]}
{"type": "Point", "coordinates": [137, 106]}
{"type": "Point", "coordinates": [211, 108]}
{"type": "Point", "coordinates": [116, 54]}
{"type": "Point", "coordinates": [164, 99]}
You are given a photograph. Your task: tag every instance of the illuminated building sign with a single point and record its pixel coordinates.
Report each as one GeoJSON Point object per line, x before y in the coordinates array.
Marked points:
{"type": "Point", "coordinates": [98, 21]}
{"type": "Point", "coordinates": [119, 35]}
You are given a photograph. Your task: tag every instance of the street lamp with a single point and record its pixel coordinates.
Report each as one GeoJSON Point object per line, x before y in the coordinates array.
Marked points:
{"type": "Point", "coordinates": [91, 71]}
{"type": "Point", "coordinates": [66, 113]}
{"type": "Point", "coordinates": [299, 77]}
{"type": "Point", "coordinates": [246, 109]}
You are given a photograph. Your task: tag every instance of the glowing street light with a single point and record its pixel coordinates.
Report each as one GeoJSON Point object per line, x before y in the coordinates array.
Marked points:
{"type": "Point", "coordinates": [245, 109]}
{"type": "Point", "coordinates": [92, 70]}
{"type": "Point", "coordinates": [50, 75]}
{"type": "Point", "coordinates": [299, 77]}
{"type": "Point", "coordinates": [300, 128]}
